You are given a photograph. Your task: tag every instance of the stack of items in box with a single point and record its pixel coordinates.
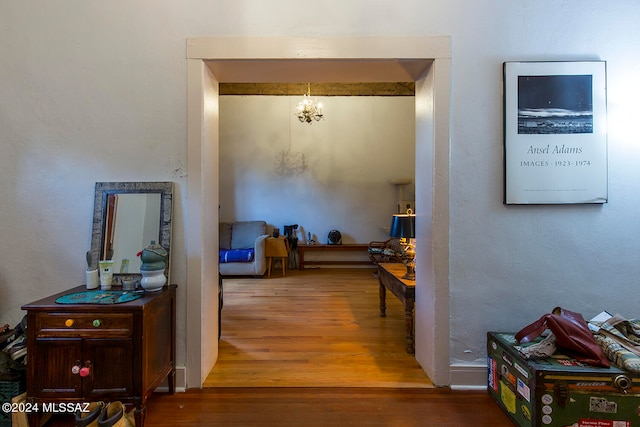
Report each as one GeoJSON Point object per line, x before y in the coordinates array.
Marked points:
{"type": "Point", "coordinates": [13, 357]}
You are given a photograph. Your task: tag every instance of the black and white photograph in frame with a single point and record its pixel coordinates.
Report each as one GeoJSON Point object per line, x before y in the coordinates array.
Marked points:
{"type": "Point", "coordinates": [555, 137]}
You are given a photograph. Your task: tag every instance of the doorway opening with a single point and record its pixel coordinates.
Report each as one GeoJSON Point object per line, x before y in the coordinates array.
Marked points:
{"type": "Point", "coordinates": [212, 60]}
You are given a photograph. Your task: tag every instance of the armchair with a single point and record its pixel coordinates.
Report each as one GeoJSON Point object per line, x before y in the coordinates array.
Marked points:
{"type": "Point", "coordinates": [242, 248]}
{"type": "Point", "coordinates": [385, 251]}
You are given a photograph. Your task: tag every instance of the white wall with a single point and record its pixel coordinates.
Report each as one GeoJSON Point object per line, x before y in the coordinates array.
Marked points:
{"type": "Point", "coordinates": [96, 91]}
{"type": "Point", "coordinates": [331, 174]}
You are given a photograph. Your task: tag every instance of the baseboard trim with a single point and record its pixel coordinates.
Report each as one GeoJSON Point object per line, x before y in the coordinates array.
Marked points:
{"type": "Point", "coordinates": [463, 377]}
{"type": "Point", "coordinates": [468, 377]}
{"type": "Point", "coordinates": [181, 381]}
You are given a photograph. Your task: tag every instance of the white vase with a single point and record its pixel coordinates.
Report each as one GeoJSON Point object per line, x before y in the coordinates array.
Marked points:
{"type": "Point", "coordinates": [152, 280]}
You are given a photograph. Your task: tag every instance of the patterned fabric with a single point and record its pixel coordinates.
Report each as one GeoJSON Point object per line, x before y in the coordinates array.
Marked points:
{"type": "Point", "coordinates": [387, 251]}
{"type": "Point", "coordinates": [629, 329]}
{"type": "Point", "coordinates": [617, 354]}
{"type": "Point", "coordinates": [620, 341]}
{"type": "Point", "coordinates": [98, 297]}
{"type": "Point", "coordinates": [236, 255]}
{"type": "Point", "coordinates": [382, 251]}
{"type": "Point", "coordinates": [538, 349]}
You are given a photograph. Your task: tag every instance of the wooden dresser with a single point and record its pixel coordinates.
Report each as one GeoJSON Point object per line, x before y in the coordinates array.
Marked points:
{"type": "Point", "coordinates": [128, 349]}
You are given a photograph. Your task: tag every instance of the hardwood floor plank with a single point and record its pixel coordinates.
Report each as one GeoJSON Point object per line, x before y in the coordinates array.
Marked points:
{"type": "Point", "coordinates": [321, 407]}
{"type": "Point", "coordinates": [318, 407]}
{"type": "Point", "coordinates": [312, 328]}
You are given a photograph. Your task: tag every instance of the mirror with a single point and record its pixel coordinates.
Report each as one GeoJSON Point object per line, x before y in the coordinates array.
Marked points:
{"type": "Point", "coordinates": [127, 216]}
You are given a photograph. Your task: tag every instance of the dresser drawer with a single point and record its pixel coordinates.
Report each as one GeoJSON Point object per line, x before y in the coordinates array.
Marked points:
{"type": "Point", "coordinates": [84, 324]}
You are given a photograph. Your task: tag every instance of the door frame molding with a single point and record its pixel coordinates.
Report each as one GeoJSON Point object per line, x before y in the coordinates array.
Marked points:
{"type": "Point", "coordinates": [208, 60]}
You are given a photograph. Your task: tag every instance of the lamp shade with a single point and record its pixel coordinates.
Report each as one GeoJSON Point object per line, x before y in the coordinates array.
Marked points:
{"type": "Point", "coordinates": [403, 225]}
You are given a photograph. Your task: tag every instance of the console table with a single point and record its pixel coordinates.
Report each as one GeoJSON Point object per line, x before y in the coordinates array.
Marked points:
{"type": "Point", "coordinates": [124, 350]}
{"type": "Point", "coordinates": [332, 248]}
{"type": "Point", "coordinates": [390, 277]}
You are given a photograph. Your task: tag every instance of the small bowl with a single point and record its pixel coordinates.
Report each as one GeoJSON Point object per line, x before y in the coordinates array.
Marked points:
{"type": "Point", "coordinates": [129, 285]}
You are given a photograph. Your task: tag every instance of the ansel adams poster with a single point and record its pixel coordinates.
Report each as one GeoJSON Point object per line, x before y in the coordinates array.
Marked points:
{"type": "Point", "coordinates": [555, 104]}
{"type": "Point", "coordinates": [555, 132]}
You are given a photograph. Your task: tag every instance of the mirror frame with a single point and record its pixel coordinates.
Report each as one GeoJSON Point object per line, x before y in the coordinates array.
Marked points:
{"type": "Point", "coordinates": [103, 190]}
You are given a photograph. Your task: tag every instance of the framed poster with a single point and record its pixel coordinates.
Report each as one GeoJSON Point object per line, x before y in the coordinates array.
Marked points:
{"type": "Point", "coordinates": [555, 132]}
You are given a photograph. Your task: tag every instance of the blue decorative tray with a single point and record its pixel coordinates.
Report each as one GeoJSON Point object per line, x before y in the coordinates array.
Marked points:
{"type": "Point", "coordinates": [98, 297]}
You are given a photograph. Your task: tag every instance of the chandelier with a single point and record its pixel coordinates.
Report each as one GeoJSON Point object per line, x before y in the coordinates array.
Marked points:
{"type": "Point", "coordinates": [309, 109]}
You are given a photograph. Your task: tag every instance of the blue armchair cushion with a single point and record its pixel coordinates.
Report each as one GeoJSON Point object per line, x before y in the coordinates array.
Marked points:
{"type": "Point", "coordinates": [236, 255]}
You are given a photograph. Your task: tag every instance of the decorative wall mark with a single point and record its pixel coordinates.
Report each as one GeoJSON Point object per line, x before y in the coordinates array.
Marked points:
{"type": "Point", "coordinates": [290, 163]}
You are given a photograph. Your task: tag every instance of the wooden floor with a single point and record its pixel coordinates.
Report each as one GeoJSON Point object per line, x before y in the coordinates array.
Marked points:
{"type": "Point", "coordinates": [322, 407]}
{"type": "Point", "coordinates": [311, 350]}
{"type": "Point", "coordinates": [318, 407]}
{"type": "Point", "coordinates": [312, 328]}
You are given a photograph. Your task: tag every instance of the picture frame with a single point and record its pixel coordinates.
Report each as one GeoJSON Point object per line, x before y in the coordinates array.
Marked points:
{"type": "Point", "coordinates": [555, 132]}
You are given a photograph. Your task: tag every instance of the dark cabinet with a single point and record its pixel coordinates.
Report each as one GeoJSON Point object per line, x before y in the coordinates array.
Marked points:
{"type": "Point", "coordinates": [59, 356]}
{"type": "Point", "coordinates": [90, 352]}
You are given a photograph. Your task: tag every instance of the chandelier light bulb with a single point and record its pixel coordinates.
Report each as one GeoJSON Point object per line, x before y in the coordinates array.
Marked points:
{"type": "Point", "coordinates": [309, 109]}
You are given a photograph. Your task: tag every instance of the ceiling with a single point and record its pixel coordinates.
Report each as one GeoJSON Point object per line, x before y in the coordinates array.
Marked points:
{"type": "Point", "coordinates": [329, 77]}
{"type": "Point", "coordinates": [319, 70]}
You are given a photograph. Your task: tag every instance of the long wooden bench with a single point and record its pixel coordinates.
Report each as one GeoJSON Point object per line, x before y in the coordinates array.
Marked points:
{"type": "Point", "coordinates": [354, 247]}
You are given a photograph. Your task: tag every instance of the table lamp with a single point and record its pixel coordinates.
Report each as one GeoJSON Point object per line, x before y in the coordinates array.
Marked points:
{"type": "Point", "coordinates": [403, 226]}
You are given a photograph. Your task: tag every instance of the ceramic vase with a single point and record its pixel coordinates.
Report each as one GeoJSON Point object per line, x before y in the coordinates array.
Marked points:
{"type": "Point", "coordinates": [153, 259]}
{"type": "Point", "coordinates": [153, 280]}
{"type": "Point", "coordinates": [152, 255]}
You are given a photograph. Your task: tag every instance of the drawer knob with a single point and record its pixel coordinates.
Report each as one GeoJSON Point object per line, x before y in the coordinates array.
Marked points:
{"type": "Point", "coordinates": [69, 323]}
{"type": "Point", "coordinates": [84, 372]}
{"type": "Point", "coordinates": [97, 323]}
{"type": "Point", "coordinates": [75, 370]}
